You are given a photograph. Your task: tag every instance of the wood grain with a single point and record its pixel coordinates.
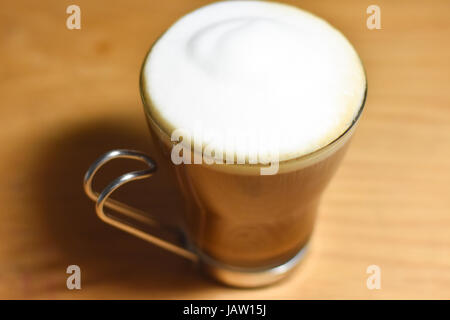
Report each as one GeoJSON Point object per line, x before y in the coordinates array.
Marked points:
{"type": "Point", "coordinates": [67, 96]}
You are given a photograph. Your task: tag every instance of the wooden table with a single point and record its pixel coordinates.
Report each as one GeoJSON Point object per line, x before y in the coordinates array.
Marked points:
{"type": "Point", "coordinates": [69, 95]}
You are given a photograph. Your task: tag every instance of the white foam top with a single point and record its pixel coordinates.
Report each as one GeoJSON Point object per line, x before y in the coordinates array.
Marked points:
{"type": "Point", "coordinates": [254, 76]}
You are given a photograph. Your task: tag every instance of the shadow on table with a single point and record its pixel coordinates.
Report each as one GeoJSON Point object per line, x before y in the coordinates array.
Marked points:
{"type": "Point", "coordinates": [107, 256]}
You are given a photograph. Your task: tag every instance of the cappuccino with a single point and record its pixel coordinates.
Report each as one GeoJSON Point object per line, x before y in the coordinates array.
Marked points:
{"type": "Point", "coordinates": [253, 77]}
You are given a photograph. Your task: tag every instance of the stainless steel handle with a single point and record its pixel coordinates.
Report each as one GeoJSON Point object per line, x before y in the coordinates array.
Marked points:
{"type": "Point", "coordinates": [103, 199]}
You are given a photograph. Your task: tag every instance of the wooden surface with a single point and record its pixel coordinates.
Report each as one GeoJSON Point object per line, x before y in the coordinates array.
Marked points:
{"type": "Point", "coordinates": [67, 96]}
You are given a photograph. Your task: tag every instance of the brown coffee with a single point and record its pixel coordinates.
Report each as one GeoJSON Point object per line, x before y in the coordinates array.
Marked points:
{"type": "Point", "coordinates": [244, 219]}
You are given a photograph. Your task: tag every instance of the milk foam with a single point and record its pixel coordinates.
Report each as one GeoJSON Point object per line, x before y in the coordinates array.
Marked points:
{"type": "Point", "coordinates": [251, 76]}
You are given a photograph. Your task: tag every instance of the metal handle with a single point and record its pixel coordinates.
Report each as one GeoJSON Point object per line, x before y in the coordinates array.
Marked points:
{"type": "Point", "coordinates": [102, 200]}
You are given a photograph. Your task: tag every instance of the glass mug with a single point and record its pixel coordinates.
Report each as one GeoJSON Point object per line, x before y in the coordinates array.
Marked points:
{"type": "Point", "coordinates": [243, 228]}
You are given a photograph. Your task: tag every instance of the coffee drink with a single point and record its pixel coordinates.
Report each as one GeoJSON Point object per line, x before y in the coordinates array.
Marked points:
{"type": "Point", "coordinates": [247, 81]}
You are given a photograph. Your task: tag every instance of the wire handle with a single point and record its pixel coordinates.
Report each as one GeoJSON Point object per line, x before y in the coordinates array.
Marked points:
{"type": "Point", "coordinates": [103, 199]}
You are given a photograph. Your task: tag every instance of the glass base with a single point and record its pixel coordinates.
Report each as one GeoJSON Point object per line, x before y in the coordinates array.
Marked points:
{"type": "Point", "coordinates": [250, 278]}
